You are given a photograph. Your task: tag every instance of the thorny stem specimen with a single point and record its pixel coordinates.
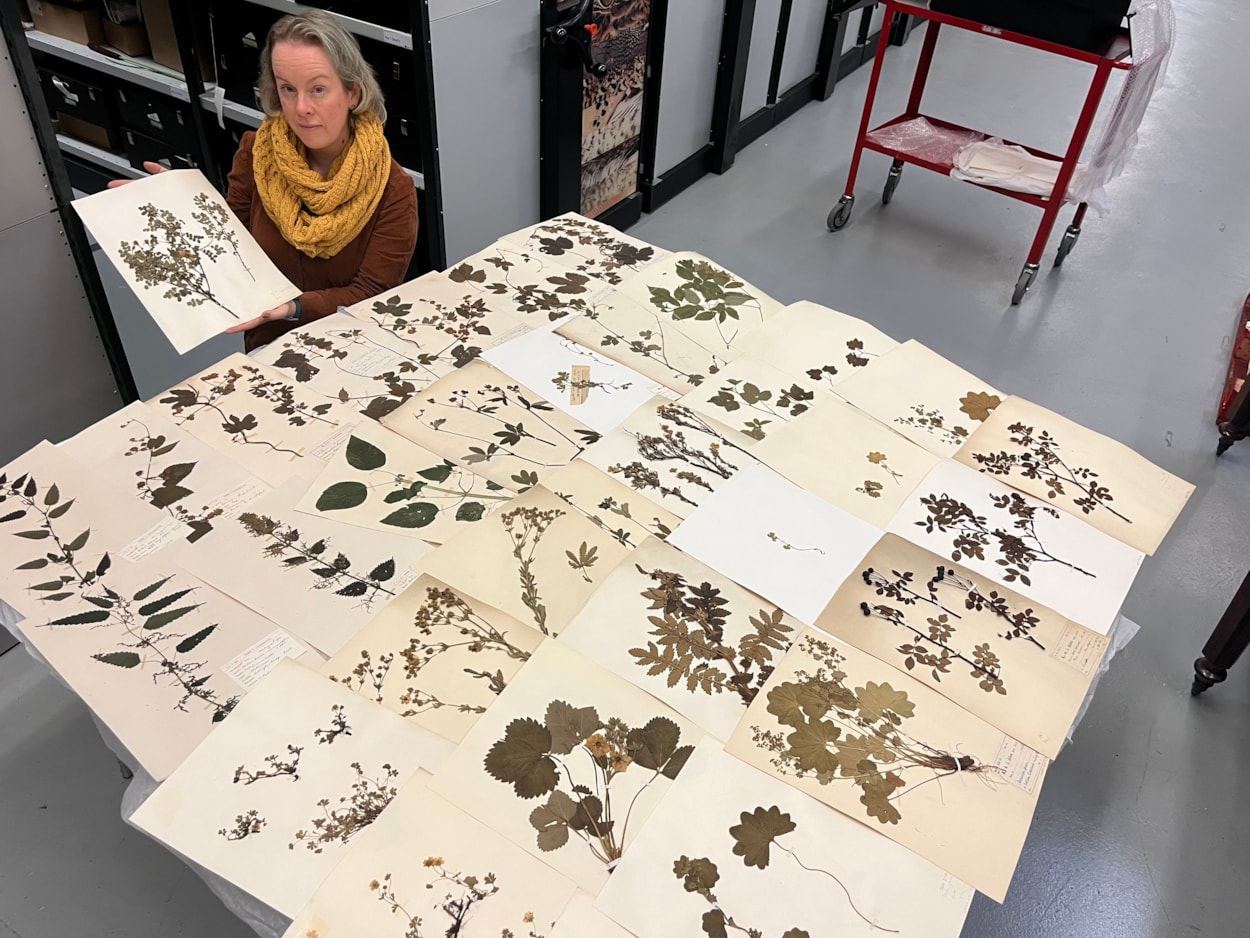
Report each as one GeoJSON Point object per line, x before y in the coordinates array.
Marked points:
{"type": "Point", "coordinates": [173, 257]}
{"type": "Point", "coordinates": [835, 732]}
{"type": "Point", "coordinates": [165, 488]}
{"type": "Point", "coordinates": [141, 618]}
{"type": "Point", "coordinates": [368, 799]}
{"type": "Point", "coordinates": [277, 767]}
{"type": "Point", "coordinates": [526, 527]}
{"type": "Point", "coordinates": [973, 534]}
{"type": "Point", "coordinates": [1041, 460]}
{"type": "Point", "coordinates": [786, 545]}
{"type": "Point", "coordinates": [690, 626]}
{"type": "Point", "coordinates": [244, 826]}
{"type": "Point", "coordinates": [283, 543]}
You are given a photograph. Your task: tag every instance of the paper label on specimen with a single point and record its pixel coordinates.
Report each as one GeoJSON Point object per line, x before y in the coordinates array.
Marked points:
{"type": "Point", "coordinates": [1021, 542]}
{"type": "Point", "coordinates": [848, 459]}
{"type": "Point", "coordinates": [253, 664]}
{"type": "Point", "coordinates": [816, 346]}
{"type": "Point", "coordinates": [568, 741]}
{"type": "Point", "coordinates": [709, 304]}
{"type": "Point", "coordinates": [1084, 473]}
{"type": "Point", "coordinates": [587, 246]}
{"type": "Point", "coordinates": [188, 258]}
{"type": "Point", "coordinates": [731, 848]}
{"type": "Point", "coordinates": [893, 754]}
{"type": "Point", "coordinates": [1020, 765]}
{"type": "Point", "coordinates": [788, 545]}
{"type": "Point", "coordinates": [160, 535]}
{"type": "Point", "coordinates": [278, 794]}
{"type": "Point", "coordinates": [1021, 667]}
{"type": "Point", "coordinates": [932, 402]}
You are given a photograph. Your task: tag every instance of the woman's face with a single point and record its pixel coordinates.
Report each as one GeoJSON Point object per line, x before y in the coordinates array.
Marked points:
{"type": "Point", "coordinates": [314, 99]}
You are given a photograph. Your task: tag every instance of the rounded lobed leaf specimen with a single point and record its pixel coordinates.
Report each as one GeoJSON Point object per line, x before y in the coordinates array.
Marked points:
{"type": "Point", "coordinates": [756, 833]}
{"type": "Point", "coordinates": [522, 759]}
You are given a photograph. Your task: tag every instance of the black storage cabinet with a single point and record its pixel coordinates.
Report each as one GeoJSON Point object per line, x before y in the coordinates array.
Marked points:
{"type": "Point", "coordinates": [81, 94]}
{"type": "Point", "coordinates": [1081, 24]}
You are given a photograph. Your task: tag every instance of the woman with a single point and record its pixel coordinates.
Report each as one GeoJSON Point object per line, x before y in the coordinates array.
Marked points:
{"type": "Point", "coordinates": [316, 185]}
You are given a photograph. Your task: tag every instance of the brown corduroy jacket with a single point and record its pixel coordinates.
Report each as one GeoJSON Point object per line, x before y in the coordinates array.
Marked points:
{"type": "Point", "coordinates": [375, 260]}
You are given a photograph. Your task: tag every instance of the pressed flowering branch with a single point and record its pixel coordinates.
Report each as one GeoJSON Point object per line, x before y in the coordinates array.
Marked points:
{"type": "Point", "coordinates": [973, 533]}
{"type": "Point", "coordinates": [164, 489]}
{"type": "Point", "coordinates": [283, 543]}
{"type": "Point", "coordinates": [786, 545]}
{"type": "Point", "coordinates": [672, 445]}
{"type": "Point", "coordinates": [526, 527]}
{"type": "Point", "coordinates": [839, 733]}
{"type": "Point", "coordinates": [367, 800]}
{"type": "Point", "coordinates": [276, 767]}
{"type": "Point", "coordinates": [536, 759]}
{"type": "Point", "coordinates": [245, 825]}
{"type": "Point", "coordinates": [699, 876]}
{"type": "Point", "coordinates": [691, 647]}
{"type": "Point", "coordinates": [1041, 460]}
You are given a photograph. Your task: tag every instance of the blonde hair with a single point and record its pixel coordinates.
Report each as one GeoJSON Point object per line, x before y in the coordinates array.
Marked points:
{"type": "Point", "coordinates": [318, 28]}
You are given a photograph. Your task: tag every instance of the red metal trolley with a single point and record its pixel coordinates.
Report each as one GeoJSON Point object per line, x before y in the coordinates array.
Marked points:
{"type": "Point", "coordinates": [1117, 56]}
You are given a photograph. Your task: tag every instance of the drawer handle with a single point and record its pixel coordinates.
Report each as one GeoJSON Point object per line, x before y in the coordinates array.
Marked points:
{"type": "Point", "coordinates": [62, 86]}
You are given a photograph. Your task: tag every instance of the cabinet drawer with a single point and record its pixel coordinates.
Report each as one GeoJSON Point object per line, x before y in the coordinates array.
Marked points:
{"type": "Point", "coordinates": [68, 93]}
{"type": "Point", "coordinates": [140, 147]}
{"type": "Point", "coordinates": [156, 115]}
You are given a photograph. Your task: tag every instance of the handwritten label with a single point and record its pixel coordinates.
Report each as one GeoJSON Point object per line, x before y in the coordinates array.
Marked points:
{"type": "Point", "coordinates": [579, 384]}
{"type": "Point", "coordinates": [247, 668]}
{"type": "Point", "coordinates": [165, 532]}
{"type": "Point", "coordinates": [326, 449]}
{"type": "Point", "coordinates": [1080, 648]}
{"type": "Point", "coordinates": [1020, 765]}
{"type": "Point", "coordinates": [956, 889]}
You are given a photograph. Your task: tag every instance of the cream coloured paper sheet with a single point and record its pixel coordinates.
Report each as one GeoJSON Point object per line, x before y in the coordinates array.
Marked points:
{"type": "Point", "coordinates": [611, 504]}
{"type": "Point", "coordinates": [188, 258]}
{"type": "Point", "coordinates": [588, 246]}
{"type": "Point", "coordinates": [1084, 473]}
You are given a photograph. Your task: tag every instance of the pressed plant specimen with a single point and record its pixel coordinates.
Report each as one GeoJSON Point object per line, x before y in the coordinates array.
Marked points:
{"type": "Point", "coordinates": [706, 293]}
{"type": "Point", "coordinates": [671, 445]}
{"type": "Point", "coordinates": [871, 487]}
{"type": "Point", "coordinates": [564, 382]}
{"type": "Point", "coordinates": [366, 801]}
{"type": "Point", "coordinates": [284, 544]}
{"type": "Point", "coordinates": [487, 402]}
{"type": "Point", "coordinates": [973, 533]}
{"type": "Point", "coordinates": [245, 825]}
{"type": "Point", "coordinates": [422, 496]}
{"type": "Point", "coordinates": [464, 891]}
{"type": "Point", "coordinates": [590, 248]}
{"type": "Point", "coordinates": [573, 757]}
{"type": "Point", "coordinates": [442, 612]}
{"type": "Point", "coordinates": [583, 560]}
{"type": "Point", "coordinates": [931, 648]}
{"type": "Point", "coordinates": [441, 333]}
{"type": "Point", "coordinates": [554, 295]}
{"type": "Point", "coordinates": [1040, 459]}
{"type": "Point", "coordinates": [780, 404]}
{"type": "Point", "coordinates": [139, 621]}
{"type": "Point", "coordinates": [164, 488]}
{"type": "Point", "coordinates": [338, 726]}
{"type": "Point", "coordinates": [172, 255]}
{"type": "Point", "coordinates": [526, 526]}
{"type": "Point", "coordinates": [650, 344]}
{"type": "Point", "coordinates": [979, 404]}
{"type": "Point", "coordinates": [689, 627]}
{"type": "Point", "coordinates": [276, 766]}
{"type": "Point", "coordinates": [188, 403]}
{"type": "Point", "coordinates": [786, 545]}
{"type": "Point", "coordinates": [839, 733]}
{"type": "Point", "coordinates": [700, 876]}
{"type": "Point", "coordinates": [930, 420]}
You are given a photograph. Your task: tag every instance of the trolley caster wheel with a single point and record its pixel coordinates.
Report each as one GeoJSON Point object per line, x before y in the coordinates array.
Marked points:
{"type": "Point", "coordinates": [1027, 277]}
{"type": "Point", "coordinates": [1067, 244]}
{"type": "Point", "coordinates": [841, 213]}
{"type": "Point", "coordinates": [891, 183]}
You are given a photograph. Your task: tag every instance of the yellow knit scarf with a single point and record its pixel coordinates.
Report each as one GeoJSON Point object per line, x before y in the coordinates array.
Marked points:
{"type": "Point", "coordinates": [320, 216]}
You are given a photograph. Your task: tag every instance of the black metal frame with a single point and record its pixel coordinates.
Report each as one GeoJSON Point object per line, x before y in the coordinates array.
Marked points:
{"type": "Point", "coordinates": [62, 194]}
{"type": "Point", "coordinates": [184, 34]}
{"type": "Point", "coordinates": [735, 46]}
{"type": "Point", "coordinates": [432, 238]}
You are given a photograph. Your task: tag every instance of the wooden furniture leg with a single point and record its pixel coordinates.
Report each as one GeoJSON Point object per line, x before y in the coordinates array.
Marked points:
{"type": "Point", "coordinates": [1227, 642]}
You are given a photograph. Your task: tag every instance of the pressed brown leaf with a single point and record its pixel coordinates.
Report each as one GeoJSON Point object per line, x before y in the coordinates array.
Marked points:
{"type": "Point", "coordinates": [521, 759]}
{"type": "Point", "coordinates": [756, 833]}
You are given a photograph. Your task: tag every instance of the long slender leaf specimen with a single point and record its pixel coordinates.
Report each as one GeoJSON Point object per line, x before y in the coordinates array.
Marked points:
{"type": "Point", "coordinates": [839, 733]}
{"type": "Point", "coordinates": [573, 757]}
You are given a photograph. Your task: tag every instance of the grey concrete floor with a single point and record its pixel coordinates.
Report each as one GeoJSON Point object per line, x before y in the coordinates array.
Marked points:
{"type": "Point", "coordinates": [1139, 832]}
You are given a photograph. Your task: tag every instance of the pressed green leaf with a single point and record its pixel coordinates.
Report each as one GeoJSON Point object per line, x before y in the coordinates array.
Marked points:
{"type": "Point", "coordinates": [103, 566]}
{"type": "Point", "coordinates": [363, 455]}
{"type": "Point", "coordinates": [383, 571]}
{"type": "Point", "coordinates": [38, 564]}
{"type": "Point", "coordinates": [46, 587]}
{"type": "Point", "coordinates": [99, 601]}
{"type": "Point", "coordinates": [168, 495]}
{"type": "Point", "coordinates": [521, 759]}
{"type": "Point", "coordinates": [570, 725]}
{"type": "Point", "coordinates": [13, 515]}
{"type": "Point", "coordinates": [80, 541]}
{"type": "Point", "coordinates": [149, 590]}
{"type": "Point", "coordinates": [162, 619]}
{"type": "Point", "coordinates": [191, 641]}
{"type": "Point", "coordinates": [82, 618]}
{"type": "Point", "coordinates": [416, 515]}
{"type": "Point", "coordinates": [355, 588]}
{"type": "Point", "coordinates": [470, 511]}
{"type": "Point", "coordinates": [61, 509]}
{"type": "Point", "coordinates": [31, 489]}
{"type": "Point", "coordinates": [158, 604]}
{"type": "Point", "coordinates": [439, 473]}
{"type": "Point", "coordinates": [119, 659]}
{"type": "Point", "coordinates": [755, 834]}
{"type": "Point", "coordinates": [52, 496]}
{"type": "Point", "coordinates": [677, 761]}
{"type": "Point", "coordinates": [56, 597]}
{"type": "Point", "coordinates": [551, 820]}
{"type": "Point", "coordinates": [33, 535]}
{"type": "Point", "coordinates": [653, 744]}
{"type": "Point", "coordinates": [342, 495]}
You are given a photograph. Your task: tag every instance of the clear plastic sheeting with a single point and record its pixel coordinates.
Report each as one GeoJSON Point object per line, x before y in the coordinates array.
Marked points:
{"type": "Point", "coordinates": [925, 140]}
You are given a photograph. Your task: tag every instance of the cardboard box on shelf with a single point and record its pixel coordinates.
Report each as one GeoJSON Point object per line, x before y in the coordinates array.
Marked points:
{"type": "Point", "coordinates": [77, 22]}
{"type": "Point", "coordinates": [130, 38]}
{"type": "Point", "coordinates": [87, 132]}
{"type": "Point", "coordinates": [160, 28]}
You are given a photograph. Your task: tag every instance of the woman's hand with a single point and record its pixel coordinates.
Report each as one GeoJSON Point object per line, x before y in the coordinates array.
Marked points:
{"type": "Point", "coordinates": [152, 168]}
{"type": "Point", "coordinates": [285, 311]}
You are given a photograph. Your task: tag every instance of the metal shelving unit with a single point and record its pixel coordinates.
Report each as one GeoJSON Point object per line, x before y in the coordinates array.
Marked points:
{"type": "Point", "coordinates": [112, 162]}
{"type": "Point", "coordinates": [392, 37]}
{"type": "Point", "coordinates": [140, 71]}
